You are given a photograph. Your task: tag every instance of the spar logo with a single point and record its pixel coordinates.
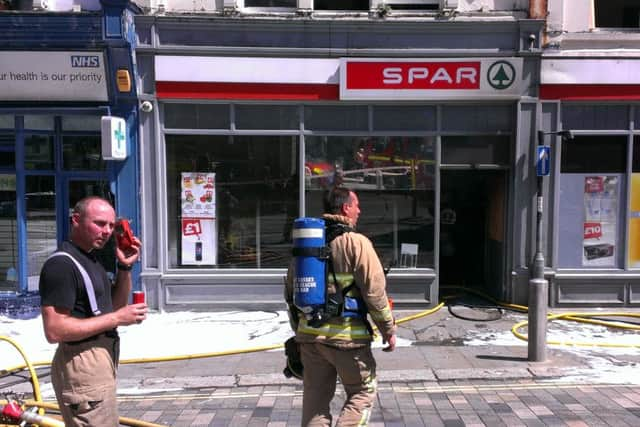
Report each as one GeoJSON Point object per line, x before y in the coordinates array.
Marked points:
{"type": "Point", "coordinates": [501, 75]}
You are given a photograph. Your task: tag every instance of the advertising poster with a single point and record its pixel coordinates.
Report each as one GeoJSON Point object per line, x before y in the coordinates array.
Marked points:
{"type": "Point", "coordinates": [634, 222]}
{"type": "Point", "coordinates": [601, 212]}
{"type": "Point", "coordinates": [199, 233]}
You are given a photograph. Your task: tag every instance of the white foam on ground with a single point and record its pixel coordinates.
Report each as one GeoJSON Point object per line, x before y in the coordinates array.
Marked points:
{"type": "Point", "coordinates": [166, 335]}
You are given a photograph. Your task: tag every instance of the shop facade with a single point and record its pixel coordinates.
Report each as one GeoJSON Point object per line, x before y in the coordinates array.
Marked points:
{"type": "Point", "coordinates": [252, 119]}
{"type": "Point", "coordinates": [56, 89]}
{"type": "Point", "coordinates": [594, 216]}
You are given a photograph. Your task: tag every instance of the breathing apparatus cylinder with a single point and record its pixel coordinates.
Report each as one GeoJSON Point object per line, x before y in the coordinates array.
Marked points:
{"type": "Point", "coordinates": [309, 282]}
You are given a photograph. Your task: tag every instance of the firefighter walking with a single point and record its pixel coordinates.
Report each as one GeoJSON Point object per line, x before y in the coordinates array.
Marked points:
{"type": "Point", "coordinates": [337, 342]}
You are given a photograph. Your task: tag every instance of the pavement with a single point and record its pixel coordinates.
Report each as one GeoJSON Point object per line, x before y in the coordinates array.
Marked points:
{"type": "Point", "coordinates": [462, 370]}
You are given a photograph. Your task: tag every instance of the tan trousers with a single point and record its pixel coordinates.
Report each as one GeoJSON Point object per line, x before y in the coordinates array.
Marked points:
{"type": "Point", "coordinates": [357, 371]}
{"type": "Point", "coordinates": [84, 380]}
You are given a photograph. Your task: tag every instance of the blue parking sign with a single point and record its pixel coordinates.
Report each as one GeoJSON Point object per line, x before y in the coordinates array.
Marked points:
{"type": "Point", "coordinates": [543, 160]}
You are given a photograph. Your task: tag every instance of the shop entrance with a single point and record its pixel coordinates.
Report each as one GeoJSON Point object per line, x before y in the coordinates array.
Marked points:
{"type": "Point", "coordinates": [472, 229]}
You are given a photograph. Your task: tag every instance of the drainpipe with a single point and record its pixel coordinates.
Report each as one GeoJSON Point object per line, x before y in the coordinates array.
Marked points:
{"type": "Point", "coordinates": [537, 9]}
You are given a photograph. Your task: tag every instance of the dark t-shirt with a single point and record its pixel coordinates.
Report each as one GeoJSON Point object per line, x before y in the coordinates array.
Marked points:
{"type": "Point", "coordinates": [61, 284]}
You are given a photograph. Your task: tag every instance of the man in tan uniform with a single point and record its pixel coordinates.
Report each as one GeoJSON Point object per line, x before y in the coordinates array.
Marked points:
{"type": "Point", "coordinates": [81, 311]}
{"type": "Point", "coordinates": [342, 346]}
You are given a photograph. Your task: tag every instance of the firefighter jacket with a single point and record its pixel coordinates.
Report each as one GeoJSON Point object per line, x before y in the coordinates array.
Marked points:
{"type": "Point", "coordinates": [354, 259]}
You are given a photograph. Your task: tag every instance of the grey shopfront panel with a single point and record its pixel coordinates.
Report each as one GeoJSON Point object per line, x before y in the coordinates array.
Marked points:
{"type": "Point", "coordinates": [490, 126]}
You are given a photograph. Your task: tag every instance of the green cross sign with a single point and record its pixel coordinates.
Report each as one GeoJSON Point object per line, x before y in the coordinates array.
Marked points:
{"type": "Point", "coordinates": [118, 134]}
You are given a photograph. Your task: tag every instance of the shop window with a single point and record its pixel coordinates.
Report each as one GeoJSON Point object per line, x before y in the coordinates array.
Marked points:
{"type": "Point", "coordinates": [592, 189]}
{"type": "Point", "coordinates": [617, 13]}
{"type": "Point", "coordinates": [8, 234]}
{"type": "Point", "coordinates": [231, 200]}
{"type": "Point", "coordinates": [601, 154]}
{"type": "Point", "coordinates": [636, 154]}
{"type": "Point", "coordinates": [394, 180]}
{"type": "Point", "coordinates": [7, 151]}
{"type": "Point", "coordinates": [341, 5]}
{"type": "Point", "coordinates": [82, 153]}
{"type": "Point", "coordinates": [39, 122]}
{"type": "Point", "coordinates": [7, 121]}
{"type": "Point", "coordinates": [196, 116]}
{"type": "Point", "coordinates": [81, 123]}
{"type": "Point", "coordinates": [277, 117]}
{"type": "Point", "coordinates": [403, 118]}
{"type": "Point", "coordinates": [476, 150]}
{"type": "Point", "coordinates": [477, 118]}
{"type": "Point", "coordinates": [634, 208]}
{"type": "Point", "coordinates": [41, 223]}
{"type": "Point", "coordinates": [595, 117]}
{"type": "Point", "coordinates": [271, 3]}
{"type": "Point", "coordinates": [336, 118]}
{"type": "Point", "coordinates": [38, 152]}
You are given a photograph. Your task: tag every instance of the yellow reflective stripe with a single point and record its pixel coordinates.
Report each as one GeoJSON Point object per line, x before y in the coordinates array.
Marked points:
{"type": "Point", "coordinates": [364, 419]}
{"type": "Point", "coordinates": [371, 384]}
{"type": "Point", "coordinates": [334, 330]}
{"type": "Point", "coordinates": [344, 279]}
{"type": "Point", "coordinates": [383, 315]}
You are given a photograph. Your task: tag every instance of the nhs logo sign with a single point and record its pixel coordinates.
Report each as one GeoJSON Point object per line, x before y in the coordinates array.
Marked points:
{"type": "Point", "coordinates": [85, 61]}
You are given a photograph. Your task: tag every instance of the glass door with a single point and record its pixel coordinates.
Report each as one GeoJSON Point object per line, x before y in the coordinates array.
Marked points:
{"type": "Point", "coordinates": [8, 234]}
{"type": "Point", "coordinates": [76, 189]}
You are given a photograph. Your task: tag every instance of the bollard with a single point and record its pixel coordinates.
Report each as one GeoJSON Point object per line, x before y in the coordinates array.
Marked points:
{"type": "Point", "coordinates": [537, 316]}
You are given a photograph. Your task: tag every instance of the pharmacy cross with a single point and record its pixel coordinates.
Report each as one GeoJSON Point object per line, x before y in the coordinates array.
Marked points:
{"type": "Point", "coordinates": [119, 135]}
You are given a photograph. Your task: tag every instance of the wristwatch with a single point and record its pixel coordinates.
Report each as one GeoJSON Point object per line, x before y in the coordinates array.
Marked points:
{"type": "Point", "coordinates": [124, 267]}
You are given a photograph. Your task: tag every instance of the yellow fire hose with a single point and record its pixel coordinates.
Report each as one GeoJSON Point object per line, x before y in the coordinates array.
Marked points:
{"type": "Point", "coordinates": [47, 421]}
{"type": "Point", "coordinates": [52, 422]}
{"type": "Point", "coordinates": [585, 318]}
{"type": "Point", "coordinates": [581, 317]}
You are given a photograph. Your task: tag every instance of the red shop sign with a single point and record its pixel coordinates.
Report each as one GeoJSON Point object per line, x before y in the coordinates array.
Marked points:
{"type": "Point", "coordinates": [592, 230]}
{"type": "Point", "coordinates": [191, 227]}
{"type": "Point", "coordinates": [413, 75]}
{"type": "Point", "coordinates": [593, 184]}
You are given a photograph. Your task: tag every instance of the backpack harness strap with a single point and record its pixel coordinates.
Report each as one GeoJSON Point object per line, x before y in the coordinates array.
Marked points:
{"type": "Point", "coordinates": [351, 307]}
{"type": "Point", "coordinates": [88, 284]}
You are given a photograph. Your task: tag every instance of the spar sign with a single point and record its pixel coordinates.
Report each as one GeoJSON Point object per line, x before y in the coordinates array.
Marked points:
{"type": "Point", "coordinates": [369, 78]}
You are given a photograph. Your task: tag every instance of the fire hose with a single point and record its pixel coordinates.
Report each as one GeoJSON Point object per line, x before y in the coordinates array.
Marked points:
{"type": "Point", "coordinates": [14, 411]}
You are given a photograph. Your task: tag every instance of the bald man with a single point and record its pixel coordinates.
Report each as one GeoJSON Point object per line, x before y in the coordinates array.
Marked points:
{"type": "Point", "coordinates": [83, 318]}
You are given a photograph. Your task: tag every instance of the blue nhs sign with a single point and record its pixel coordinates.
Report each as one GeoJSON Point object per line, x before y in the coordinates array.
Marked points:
{"type": "Point", "coordinates": [85, 61]}
{"type": "Point", "coordinates": [543, 160]}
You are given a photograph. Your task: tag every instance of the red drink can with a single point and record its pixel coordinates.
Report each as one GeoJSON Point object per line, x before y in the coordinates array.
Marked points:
{"type": "Point", "coordinates": [138, 297]}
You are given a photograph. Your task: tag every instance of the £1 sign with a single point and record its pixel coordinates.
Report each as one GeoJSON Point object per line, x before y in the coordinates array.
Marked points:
{"type": "Point", "coordinates": [191, 227]}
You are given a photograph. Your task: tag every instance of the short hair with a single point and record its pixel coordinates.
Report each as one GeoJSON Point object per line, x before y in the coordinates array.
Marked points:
{"type": "Point", "coordinates": [335, 198]}
{"type": "Point", "coordinates": [81, 207]}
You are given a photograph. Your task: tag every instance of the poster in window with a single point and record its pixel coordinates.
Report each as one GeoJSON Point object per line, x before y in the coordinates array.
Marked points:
{"type": "Point", "coordinates": [599, 227]}
{"type": "Point", "coordinates": [634, 222]}
{"type": "Point", "coordinates": [199, 233]}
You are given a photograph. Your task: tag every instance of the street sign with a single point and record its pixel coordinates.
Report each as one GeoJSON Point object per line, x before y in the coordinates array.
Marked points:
{"type": "Point", "coordinates": [543, 160]}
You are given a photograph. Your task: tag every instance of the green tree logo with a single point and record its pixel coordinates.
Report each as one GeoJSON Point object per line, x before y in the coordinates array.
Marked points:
{"type": "Point", "coordinates": [501, 75]}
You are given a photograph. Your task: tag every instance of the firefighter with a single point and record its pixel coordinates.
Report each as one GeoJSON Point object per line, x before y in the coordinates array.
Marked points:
{"type": "Point", "coordinates": [341, 347]}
